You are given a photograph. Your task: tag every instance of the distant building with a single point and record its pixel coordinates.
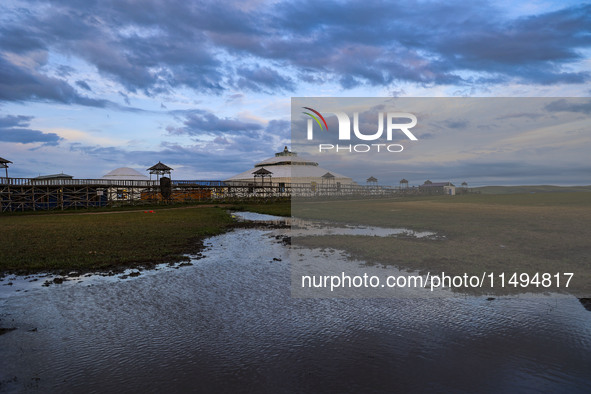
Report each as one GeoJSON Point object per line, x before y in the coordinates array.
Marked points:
{"type": "Point", "coordinates": [287, 168]}
{"type": "Point", "coordinates": [446, 188]}
{"type": "Point", "coordinates": [53, 179]}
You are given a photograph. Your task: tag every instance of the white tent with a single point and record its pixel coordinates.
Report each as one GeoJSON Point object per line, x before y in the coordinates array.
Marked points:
{"type": "Point", "coordinates": [286, 167]}
{"type": "Point", "coordinates": [125, 174]}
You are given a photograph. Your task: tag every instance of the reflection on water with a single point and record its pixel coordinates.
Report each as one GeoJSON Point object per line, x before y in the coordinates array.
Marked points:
{"type": "Point", "coordinates": [259, 217]}
{"type": "Point", "coordinates": [228, 323]}
{"type": "Point", "coordinates": [303, 227]}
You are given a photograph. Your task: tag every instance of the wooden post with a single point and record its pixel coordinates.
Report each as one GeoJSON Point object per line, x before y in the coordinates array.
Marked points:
{"type": "Point", "coordinates": [9, 195]}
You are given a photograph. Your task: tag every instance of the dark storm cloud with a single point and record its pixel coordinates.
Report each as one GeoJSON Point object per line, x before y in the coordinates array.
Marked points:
{"type": "Point", "coordinates": [160, 45]}
{"type": "Point", "coordinates": [15, 129]}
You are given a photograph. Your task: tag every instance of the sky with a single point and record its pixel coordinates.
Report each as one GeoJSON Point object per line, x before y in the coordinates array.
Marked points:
{"type": "Point", "coordinates": [478, 140]}
{"type": "Point", "coordinates": [205, 86]}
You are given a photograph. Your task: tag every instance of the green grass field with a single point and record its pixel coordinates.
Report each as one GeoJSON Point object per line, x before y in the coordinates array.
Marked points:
{"type": "Point", "coordinates": [529, 233]}
{"type": "Point", "coordinates": [107, 240]}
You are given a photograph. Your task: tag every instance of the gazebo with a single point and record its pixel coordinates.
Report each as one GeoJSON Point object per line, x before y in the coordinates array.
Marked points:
{"type": "Point", "coordinates": [464, 185]}
{"type": "Point", "coordinates": [262, 173]}
{"type": "Point", "coordinates": [328, 181]}
{"type": "Point", "coordinates": [159, 169]}
{"type": "Point", "coordinates": [372, 181]}
{"type": "Point", "coordinates": [4, 164]}
{"type": "Point", "coordinates": [403, 183]}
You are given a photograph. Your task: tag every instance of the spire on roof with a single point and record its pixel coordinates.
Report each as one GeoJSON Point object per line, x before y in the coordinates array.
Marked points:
{"type": "Point", "coordinates": [285, 152]}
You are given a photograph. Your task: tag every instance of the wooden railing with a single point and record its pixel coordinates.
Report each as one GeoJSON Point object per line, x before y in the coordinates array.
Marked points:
{"type": "Point", "coordinates": [100, 182]}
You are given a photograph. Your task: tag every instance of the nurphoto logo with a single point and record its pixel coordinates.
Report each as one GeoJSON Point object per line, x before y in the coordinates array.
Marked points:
{"type": "Point", "coordinates": [393, 124]}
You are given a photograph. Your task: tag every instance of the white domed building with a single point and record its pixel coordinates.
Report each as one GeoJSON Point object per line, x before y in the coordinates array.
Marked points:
{"type": "Point", "coordinates": [287, 168]}
{"type": "Point", "coordinates": [125, 174]}
{"type": "Point", "coordinates": [122, 184]}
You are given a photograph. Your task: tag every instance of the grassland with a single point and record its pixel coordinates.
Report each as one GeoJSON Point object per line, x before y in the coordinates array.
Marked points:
{"type": "Point", "coordinates": [531, 189]}
{"type": "Point", "coordinates": [482, 233]}
{"type": "Point", "coordinates": [87, 241]}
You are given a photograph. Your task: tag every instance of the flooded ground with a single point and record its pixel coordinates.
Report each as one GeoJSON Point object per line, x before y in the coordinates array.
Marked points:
{"type": "Point", "coordinates": [228, 323]}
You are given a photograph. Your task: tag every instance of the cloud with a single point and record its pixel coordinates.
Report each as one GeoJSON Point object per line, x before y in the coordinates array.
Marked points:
{"type": "Point", "coordinates": [234, 97]}
{"type": "Point", "coordinates": [79, 53]}
{"type": "Point", "coordinates": [280, 128]}
{"type": "Point", "coordinates": [125, 97]}
{"type": "Point", "coordinates": [22, 83]}
{"type": "Point", "coordinates": [164, 45]}
{"type": "Point", "coordinates": [15, 129]}
{"type": "Point", "coordinates": [201, 122]}
{"type": "Point", "coordinates": [219, 159]}
{"type": "Point", "coordinates": [222, 147]}
{"type": "Point", "coordinates": [456, 123]}
{"type": "Point", "coordinates": [83, 85]}
{"type": "Point", "coordinates": [527, 115]}
{"type": "Point", "coordinates": [365, 42]}
{"type": "Point", "coordinates": [263, 79]}
{"type": "Point", "coordinates": [571, 105]}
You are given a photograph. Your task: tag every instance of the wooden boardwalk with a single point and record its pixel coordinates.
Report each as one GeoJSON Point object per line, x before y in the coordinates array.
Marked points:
{"type": "Point", "coordinates": [24, 194]}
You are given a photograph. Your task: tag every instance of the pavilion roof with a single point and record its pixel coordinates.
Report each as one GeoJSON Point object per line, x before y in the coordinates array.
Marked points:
{"type": "Point", "coordinates": [160, 167]}
{"type": "Point", "coordinates": [262, 171]}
